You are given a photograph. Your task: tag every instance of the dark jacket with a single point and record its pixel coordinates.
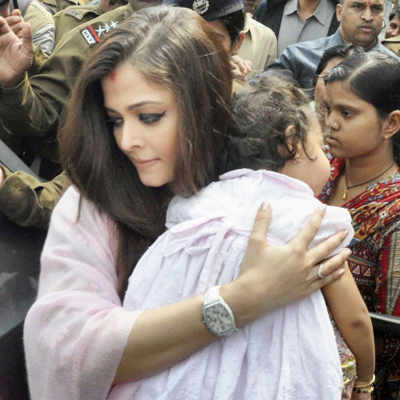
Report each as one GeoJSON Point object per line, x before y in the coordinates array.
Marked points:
{"type": "Point", "coordinates": [270, 12]}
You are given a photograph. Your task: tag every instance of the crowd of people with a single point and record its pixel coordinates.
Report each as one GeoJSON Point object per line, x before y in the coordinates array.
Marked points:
{"type": "Point", "coordinates": [219, 181]}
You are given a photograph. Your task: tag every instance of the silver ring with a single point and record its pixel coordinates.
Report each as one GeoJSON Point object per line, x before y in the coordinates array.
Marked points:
{"type": "Point", "coordinates": [319, 273]}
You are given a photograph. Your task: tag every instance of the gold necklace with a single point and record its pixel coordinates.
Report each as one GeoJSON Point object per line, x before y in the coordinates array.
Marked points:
{"type": "Point", "coordinates": [347, 187]}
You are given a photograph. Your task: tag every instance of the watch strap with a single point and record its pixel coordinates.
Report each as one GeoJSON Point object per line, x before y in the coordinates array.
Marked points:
{"type": "Point", "coordinates": [212, 296]}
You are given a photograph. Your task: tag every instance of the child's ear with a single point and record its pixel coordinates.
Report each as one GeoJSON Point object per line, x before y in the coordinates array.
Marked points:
{"type": "Point", "coordinates": [291, 143]}
{"type": "Point", "coordinates": [391, 124]}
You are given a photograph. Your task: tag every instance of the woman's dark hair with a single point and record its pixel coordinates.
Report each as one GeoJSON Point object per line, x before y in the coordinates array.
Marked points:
{"type": "Point", "coordinates": [262, 115]}
{"type": "Point", "coordinates": [174, 48]}
{"type": "Point", "coordinates": [375, 78]}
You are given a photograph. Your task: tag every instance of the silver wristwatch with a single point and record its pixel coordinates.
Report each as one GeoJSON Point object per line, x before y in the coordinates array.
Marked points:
{"type": "Point", "coordinates": [217, 315]}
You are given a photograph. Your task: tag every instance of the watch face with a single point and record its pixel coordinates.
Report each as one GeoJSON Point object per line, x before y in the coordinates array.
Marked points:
{"type": "Point", "coordinates": [218, 319]}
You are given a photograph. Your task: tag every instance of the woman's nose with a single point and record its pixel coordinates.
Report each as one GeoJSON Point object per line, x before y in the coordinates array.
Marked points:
{"type": "Point", "coordinates": [129, 137]}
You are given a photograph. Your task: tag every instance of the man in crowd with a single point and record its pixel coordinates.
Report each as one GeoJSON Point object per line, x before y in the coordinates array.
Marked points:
{"type": "Point", "coordinates": [298, 20]}
{"type": "Point", "coordinates": [252, 41]}
{"type": "Point", "coordinates": [394, 24]}
{"type": "Point", "coordinates": [392, 39]}
{"type": "Point", "coordinates": [361, 21]}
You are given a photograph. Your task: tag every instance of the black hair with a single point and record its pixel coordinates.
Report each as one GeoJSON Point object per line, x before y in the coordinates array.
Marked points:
{"type": "Point", "coordinates": [340, 50]}
{"type": "Point", "coordinates": [262, 115]}
{"type": "Point", "coordinates": [234, 24]}
{"type": "Point", "coordinates": [395, 13]}
{"type": "Point", "coordinates": [375, 78]}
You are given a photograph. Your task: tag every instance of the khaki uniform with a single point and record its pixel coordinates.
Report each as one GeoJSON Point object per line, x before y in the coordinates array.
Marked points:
{"type": "Point", "coordinates": [393, 44]}
{"type": "Point", "coordinates": [68, 19]}
{"type": "Point", "coordinates": [259, 44]}
{"type": "Point", "coordinates": [65, 21]}
{"type": "Point", "coordinates": [42, 24]}
{"type": "Point", "coordinates": [54, 6]}
{"type": "Point", "coordinates": [33, 107]}
{"type": "Point", "coordinates": [27, 201]}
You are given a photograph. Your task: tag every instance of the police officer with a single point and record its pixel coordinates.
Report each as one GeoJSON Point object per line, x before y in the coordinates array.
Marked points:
{"type": "Point", "coordinates": [31, 104]}
{"type": "Point", "coordinates": [24, 198]}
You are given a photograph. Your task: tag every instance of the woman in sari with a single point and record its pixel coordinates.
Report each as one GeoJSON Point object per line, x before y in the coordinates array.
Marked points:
{"type": "Point", "coordinates": [363, 119]}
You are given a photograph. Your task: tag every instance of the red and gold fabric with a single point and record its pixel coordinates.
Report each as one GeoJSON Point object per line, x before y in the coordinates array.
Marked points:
{"type": "Point", "coordinates": [375, 264]}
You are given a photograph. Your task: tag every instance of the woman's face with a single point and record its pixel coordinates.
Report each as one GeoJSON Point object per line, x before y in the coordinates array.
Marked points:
{"type": "Point", "coordinates": [145, 122]}
{"type": "Point", "coordinates": [312, 168]}
{"type": "Point", "coordinates": [354, 128]}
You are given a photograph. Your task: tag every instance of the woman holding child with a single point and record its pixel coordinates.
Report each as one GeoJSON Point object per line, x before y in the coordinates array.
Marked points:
{"type": "Point", "coordinates": [149, 120]}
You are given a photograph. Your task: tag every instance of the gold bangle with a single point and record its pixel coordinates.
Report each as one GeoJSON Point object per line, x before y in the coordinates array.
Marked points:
{"type": "Point", "coordinates": [367, 389]}
{"type": "Point", "coordinates": [362, 384]}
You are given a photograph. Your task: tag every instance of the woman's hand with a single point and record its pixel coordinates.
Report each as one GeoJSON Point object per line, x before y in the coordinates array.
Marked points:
{"type": "Point", "coordinates": [278, 275]}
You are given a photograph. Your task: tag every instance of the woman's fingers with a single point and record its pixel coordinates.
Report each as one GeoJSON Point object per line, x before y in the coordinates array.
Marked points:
{"type": "Point", "coordinates": [255, 256]}
{"type": "Point", "coordinates": [261, 223]}
{"type": "Point", "coordinates": [335, 264]}
{"type": "Point", "coordinates": [332, 269]}
{"type": "Point", "coordinates": [322, 251]}
{"type": "Point", "coordinates": [303, 239]}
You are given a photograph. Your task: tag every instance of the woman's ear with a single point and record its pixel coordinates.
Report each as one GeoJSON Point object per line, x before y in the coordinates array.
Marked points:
{"type": "Point", "coordinates": [391, 125]}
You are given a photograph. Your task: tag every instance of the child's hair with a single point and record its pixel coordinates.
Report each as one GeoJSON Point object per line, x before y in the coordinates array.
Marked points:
{"type": "Point", "coordinates": [262, 115]}
{"type": "Point", "coordinates": [174, 48]}
{"type": "Point", "coordinates": [375, 78]}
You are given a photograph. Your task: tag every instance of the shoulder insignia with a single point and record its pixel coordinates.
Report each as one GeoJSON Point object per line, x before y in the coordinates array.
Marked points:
{"type": "Point", "coordinates": [93, 33]}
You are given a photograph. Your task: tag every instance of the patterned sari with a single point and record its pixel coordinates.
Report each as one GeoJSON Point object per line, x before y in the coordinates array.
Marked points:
{"type": "Point", "coordinates": [375, 264]}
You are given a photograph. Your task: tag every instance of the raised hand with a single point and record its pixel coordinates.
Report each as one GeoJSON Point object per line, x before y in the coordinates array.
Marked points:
{"type": "Point", "coordinates": [16, 49]}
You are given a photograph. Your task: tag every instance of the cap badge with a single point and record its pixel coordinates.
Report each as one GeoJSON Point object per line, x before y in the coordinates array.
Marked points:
{"type": "Point", "coordinates": [201, 6]}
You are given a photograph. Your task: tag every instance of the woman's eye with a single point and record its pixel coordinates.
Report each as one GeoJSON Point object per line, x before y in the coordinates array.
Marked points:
{"type": "Point", "coordinates": [115, 122]}
{"type": "Point", "coordinates": [151, 118]}
{"type": "Point", "coordinates": [345, 113]}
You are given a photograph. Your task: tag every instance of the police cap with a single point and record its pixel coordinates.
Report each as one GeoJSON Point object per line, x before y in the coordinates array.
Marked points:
{"type": "Point", "coordinates": [209, 9]}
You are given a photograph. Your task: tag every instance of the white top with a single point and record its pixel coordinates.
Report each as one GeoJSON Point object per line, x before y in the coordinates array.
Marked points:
{"type": "Point", "coordinates": [290, 351]}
